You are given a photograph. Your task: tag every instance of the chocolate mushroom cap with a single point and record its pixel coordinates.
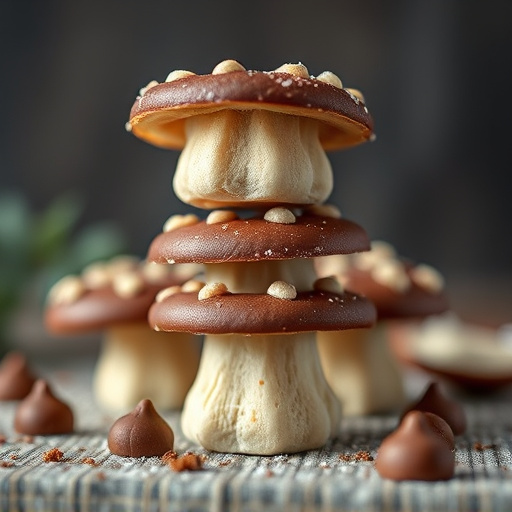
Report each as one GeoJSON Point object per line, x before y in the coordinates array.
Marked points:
{"type": "Point", "coordinates": [251, 313]}
{"type": "Point", "coordinates": [158, 115]}
{"type": "Point", "coordinates": [257, 239]}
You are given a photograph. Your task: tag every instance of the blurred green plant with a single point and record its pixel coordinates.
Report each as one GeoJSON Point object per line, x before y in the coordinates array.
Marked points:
{"type": "Point", "coordinates": [45, 246]}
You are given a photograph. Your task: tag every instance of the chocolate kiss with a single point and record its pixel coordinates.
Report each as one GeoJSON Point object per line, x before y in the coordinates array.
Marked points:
{"type": "Point", "coordinates": [416, 450]}
{"type": "Point", "coordinates": [16, 379]}
{"type": "Point", "coordinates": [41, 413]}
{"type": "Point", "coordinates": [433, 400]}
{"type": "Point", "coordinates": [141, 433]}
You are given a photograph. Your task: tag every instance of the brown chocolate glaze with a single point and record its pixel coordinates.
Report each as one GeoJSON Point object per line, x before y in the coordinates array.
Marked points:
{"type": "Point", "coordinates": [415, 302]}
{"type": "Point", "coordinates": [158, 116]}
{"type": "Point", "coordinates": [435, 401]}
{"type": "Point", "coordinates": [416, 450]}
{"type": "Point", "coordinates": [247, 313]}
{"type": "Point", "coordinates": [141, 433]}
{"type": "Point", "coordinates": [16, 378]}
{"type": "Point", "coordinates": [256, 239]}
{"type": "Point", "coordinates": [42, 413]}
{"type": "Point", "coordinates": [98, 309]}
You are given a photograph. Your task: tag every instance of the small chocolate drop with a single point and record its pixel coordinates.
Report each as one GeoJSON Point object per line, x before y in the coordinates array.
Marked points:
{"type": "Point", "coordinates": [16, 378]}
{"type": "Point", "coordinates": [141, 433]}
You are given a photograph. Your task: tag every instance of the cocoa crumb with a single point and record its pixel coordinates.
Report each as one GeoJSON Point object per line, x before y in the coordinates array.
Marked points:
{"type": "Point", "coordinates": [169, 456]}
{"type": "Point", "coordinates": [269, 473]}
{"type": "Point", "coordinates": [226, 462]}
{"type": "Point", "coordinates": [186, 462]}
{"type": "Point", "coordinates": [6, 464]}
{"type": "Point", "coordinates": [3, 439]}
{"type": "Point", "coordinates": [53, 455]}
{"type": "Point", "coordinates": [479, 447]}
{"type": "Point", "coordinates": [101, 476]}
{"type": "Point", "coordinates": [89, 460]}
{"type": "Point", "coordinates": [360, 456]}
{"type": "Point", "coordinates": [13, 457]}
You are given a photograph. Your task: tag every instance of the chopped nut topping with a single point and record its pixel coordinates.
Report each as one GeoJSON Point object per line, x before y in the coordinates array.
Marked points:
{"type": "Point", "coordinates": [53, 455]}
{"type": "Point", "coordinates": [282, 290]}
{"type": "Point", "coordinates": [167, 292]}
{"type": "Point", "coordinates": [227, 66]}
{"type": "Point", "coordinates": [155, 272]}
{"type": "Point", "coordinates": [127, 284]}
{"type": "Point", "coordinates": [427, 277]}
{"type": "Point", "coordinates": [212, 290]}
{"type": "Point", "coordinates": [177, 74]}
{"type": "Point", "coordinates": [217, 216]}
{"type": "Point", "coordinates": [294, 69]}
{"type": "Point", "coordinates": [357, 93]}
{"type": "Point", "coordinates": [151, 84]}
{"type": "Point", "coordinates": [180, 221]}
{"type": "Point", "coordinates": [186, 462]}
{"type": "Point", "coordinates": [330, 78]}
{"type": "Point", "coordinates": [280, 215]}
{"type": "Point", "coordinates": [325, 210]}
{"type": "Point", "coordinates": [96, 275]}
{"type": "Point", "coordinates": [193, 285]}
{"type": "Point", "coordinates": [328, 284]}
{"type": "Point", "coordinates": [67, 290]}
{"type": "Point", "coordinates": [391, 273]}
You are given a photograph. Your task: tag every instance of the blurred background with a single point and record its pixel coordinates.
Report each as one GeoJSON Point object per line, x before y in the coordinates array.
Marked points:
{"type": "Point", "coordinates": [435, 75]}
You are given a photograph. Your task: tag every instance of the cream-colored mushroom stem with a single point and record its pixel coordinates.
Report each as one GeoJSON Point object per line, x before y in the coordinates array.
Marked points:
{"type": "Point", "coordinates": [256, 277]}
{"type": "Point", "coordinates": [136, 362]}
{"type": "Point", "coordinates": [251, 157]}
{"type": "Point", "coordinates": [260, 395]}
{"type": "Point", "coordinates": [361, 370]}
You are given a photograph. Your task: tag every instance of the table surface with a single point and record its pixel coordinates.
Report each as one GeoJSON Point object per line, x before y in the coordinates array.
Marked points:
{"type": "Point", "coordinates": [329, 479]}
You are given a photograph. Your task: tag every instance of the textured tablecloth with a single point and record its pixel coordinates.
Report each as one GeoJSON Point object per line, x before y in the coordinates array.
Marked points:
{"type": "Point", "coordinates": [329, 479]}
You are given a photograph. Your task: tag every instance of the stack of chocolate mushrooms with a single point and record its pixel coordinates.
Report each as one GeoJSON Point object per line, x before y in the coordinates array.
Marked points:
{"type": "Point", "coordinates": [256, 142]}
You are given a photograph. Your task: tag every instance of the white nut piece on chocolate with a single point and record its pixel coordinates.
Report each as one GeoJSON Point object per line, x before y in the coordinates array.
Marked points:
{"type": "Point", "coordinates": [145, 89]}
{"type": "Point", "coordinates": [212, 290]}
{"type": "Point", "coordinates": [154, 272]}
{"type": "Point", "coordinates": [391, 274]}
{"type": "Point", "coordinates": [122, 263]}
{"type": "Point", "coordinates": [282, 290]}
{"type": "Point", "coordinates": [294, 69]}
{"type": "Point", "coordinates": [357, 93]}
{"type": "Point", "coordinates": [177, 74]}
{"type": "Point", "coordinates": [280, 215]}
{"type": "Point", "coordinates": [180, 221]}
{"type": "Point", "coordinates": [96, 275]}
{"type": "Point", "coordinates": [330, 78]}
{"type": "Point", "coordinates": [227, 66]}
{"type": "Point", "coordinates": [192, 285]}
{"type": "Point", "coordinates": [167, 292]}
{"type": "Point", "coordinates": [218, 216]}
{"type": "Point", "coordinates": [427, 277]}
{"type": "Point", "coordinates": [128, 284]}
{"type": "Point", "coordinates": [325, 210]}
{"type": "Point", "coordinates": [67, 290]}
{"type": "Point", "coordinates": [328, 284]}
{"type": "Point", "coordinates": [379, 252]}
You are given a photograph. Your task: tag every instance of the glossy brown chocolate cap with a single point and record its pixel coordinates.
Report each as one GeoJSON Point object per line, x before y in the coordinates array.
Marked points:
{"type": "Point", "coordinates": [16, 378]}
{"type": "Point", "coordinates": [416, 450]}
{"type": "Point", "coordinates": [42, 413]}
{"type": "Point", "coordinates": [251, 313]}
{"type": "Point", "coordinates": [141, 433]}
{"type": "Point", "coordinates": [256, 239]}
{"type": "Point", "coordinates": [158, 114]}
{"type": "Point", "coordinates": [435, 401]}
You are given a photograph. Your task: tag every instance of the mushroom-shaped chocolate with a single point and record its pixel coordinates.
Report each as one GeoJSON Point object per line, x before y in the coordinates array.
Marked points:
{"type": "Point", "coordinates": [135, 362]}
{"type": "Point", "coordinates": [42, 413]}
{"type": "Point", "coordinates": [421, 448]}
{"type": "Point", "coordinates": [16, 377]}
{"type": "Point", "coordinates": [359, 364]}
{"type": "Point", "coordinates": [260, 387]}
{"type": "Point", "coordinates": [141, 433]}
{"type": "Point", "coordinates": [251, 137]}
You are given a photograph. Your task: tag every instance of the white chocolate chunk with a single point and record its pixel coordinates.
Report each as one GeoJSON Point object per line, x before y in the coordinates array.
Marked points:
{"type": "Point", "coordinates": [330, 78]}
{"type": "Point", "coordinates": [218, 216]}
{"type": "Point", "coordinates": [356, 93]}
{"type": "Point", "coordinates": [193, 285]}
{"type": "Point", "coordinates": [325, 210]}
{"type": "Point", "coordinates": [128, 284]}
{"type": "Point", "coordinates": [391, 273]}
{"type": "Point", "coordinates": [96, 275]}
{"type": "Point", "coordinates": [294, 69]}
{"type": "Point", "coordinates": [66, 291]}
{"type": "Point", "coordinates": [280, 215]}
{"type": "Point", "coordinates": [427, 277]}
{"type": "Point", "coordinates": [227, 66]}
{"type": "Point", "coordinates": [282, 290]}
{"type": "Point", "coordinates": [167, 292]}
{"type": "Point", "coordinates": [177, 74]}
{"type": "Point", "coordinates": [328, 284]}
{"type": "Point", "coordinates": [145, 89]}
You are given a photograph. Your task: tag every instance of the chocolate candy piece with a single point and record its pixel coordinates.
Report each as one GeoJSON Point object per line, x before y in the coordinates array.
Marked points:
{"type": "Point", "coordinates": [141, 433]}
{"type": "Point", "coordinates": [16, 378]}
{"type": "Point", "coordinates": [42, 413]}
{"type": "Point", "coordinates": [434, 400]}
{"type": "Point", "coordinates": [419, 449]}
